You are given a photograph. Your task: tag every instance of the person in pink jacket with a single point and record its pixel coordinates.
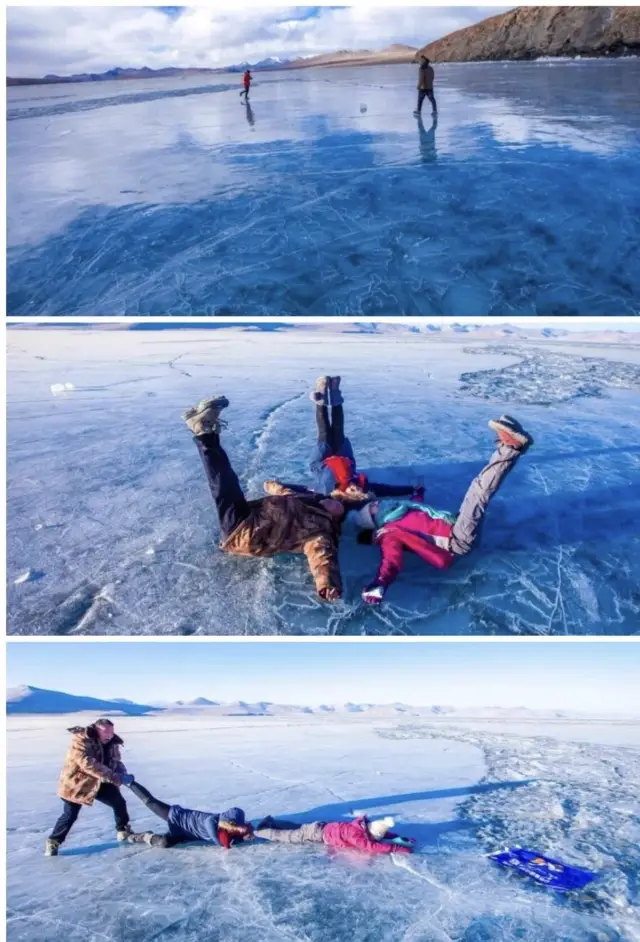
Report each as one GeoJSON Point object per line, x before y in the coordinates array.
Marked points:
{"type": "Point", "coordinates": [437, 536]}
{"type": "Point", "coordinates": [370, 837]}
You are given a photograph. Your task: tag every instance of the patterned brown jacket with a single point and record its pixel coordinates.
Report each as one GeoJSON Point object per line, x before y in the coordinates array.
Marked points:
{"type": "Point", "coordinates": [88, 764]}
{"type": "Point", "coordinates": [291, 521]}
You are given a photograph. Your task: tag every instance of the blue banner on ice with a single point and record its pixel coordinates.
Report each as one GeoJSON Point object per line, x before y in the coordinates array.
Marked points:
{"type": "Point", "coordinates": [544, 870]}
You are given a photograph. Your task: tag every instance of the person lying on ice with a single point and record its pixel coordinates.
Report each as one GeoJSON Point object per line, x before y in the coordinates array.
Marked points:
{"type": "Point", "coordinates": [286, 522]}
{"type": "Point", "coordinates": [224, 829]}
{"type": "Point", "coordinates": [332, 462]}
{"type": "Point", "coordinates": [437, 536]}
{"type": "Point", "coordinates": [360, 834]}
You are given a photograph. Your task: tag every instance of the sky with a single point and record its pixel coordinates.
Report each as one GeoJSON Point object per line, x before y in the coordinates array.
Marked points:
{"type": "Point", "coordinates": [583, 676]}
{"type": "Point", "coordinates": [70, 40]}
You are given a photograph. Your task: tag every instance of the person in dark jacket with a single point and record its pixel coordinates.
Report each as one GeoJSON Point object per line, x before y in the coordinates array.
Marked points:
{"type": "Point", "coordinates": [93, 770]}
{"type": "Point", "coordinates": [425, 86]}
{"type": "Point", "coordinates": [283, 522]}
{"type": "Point", "coordinates": [184, 825]}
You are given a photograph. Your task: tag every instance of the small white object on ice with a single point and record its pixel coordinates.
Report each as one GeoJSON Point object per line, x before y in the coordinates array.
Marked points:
{"type": "Point", "coordinates": [23, 578]}
{"type": "Point", "coordinates": [151, 551]}
{"type": "Point", "coordinates": [363, 108]}
{"type": "Point", "coordinates": [61, 387]}
{"type": "Point", "coordinates": [69, 386]}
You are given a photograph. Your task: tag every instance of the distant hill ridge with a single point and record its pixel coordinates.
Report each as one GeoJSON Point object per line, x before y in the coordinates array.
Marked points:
{"type": "Point", "coordinates": [27, 700]}
{"type": "Point", "coordinates": [536, 32]}
{"type": "Point", "coordinates": [523, 33]}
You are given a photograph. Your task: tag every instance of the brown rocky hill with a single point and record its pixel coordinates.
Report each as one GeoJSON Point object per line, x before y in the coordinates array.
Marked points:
{"type": "Point", "coordinates": [531, 32]}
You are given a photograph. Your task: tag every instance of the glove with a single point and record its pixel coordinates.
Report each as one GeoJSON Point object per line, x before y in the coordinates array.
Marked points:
{"type": "Point", "coordinates": [127, 779]}
{"type": "Point", "coordinates": [402, 841]}
{"type": "Point", "coordinates": [373, 594]}
{"type": "Point", "coordinates": [330, 594]}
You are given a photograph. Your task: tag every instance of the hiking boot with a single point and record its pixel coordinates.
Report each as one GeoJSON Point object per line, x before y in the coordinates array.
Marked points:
{"type": "Point", "coordinates": [123, 834]}
{"type": "Point", "coordinates": [51, 847]}
{"type": "Point", "coordinates": [319, 394]}
{"type": "Point", "coordinates": [335, 396]}
{"type": "Point", "coordinates": [159, 840]}
{"type": "Point", "coordinates": [204, 418]}
{"type": "Point", "coordinates": [510, 432]}
{"type": "Point", "coordinates": [144, 837]}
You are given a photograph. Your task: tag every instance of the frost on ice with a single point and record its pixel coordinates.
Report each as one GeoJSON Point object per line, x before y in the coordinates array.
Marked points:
{"type": "Point", "coordinates": [461, 786]}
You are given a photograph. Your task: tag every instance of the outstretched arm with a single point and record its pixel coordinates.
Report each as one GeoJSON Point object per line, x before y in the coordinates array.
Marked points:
{"type": "Point", "coordinates": [388, 570]}
{"type": "Point", "coordinates": [322, 556]}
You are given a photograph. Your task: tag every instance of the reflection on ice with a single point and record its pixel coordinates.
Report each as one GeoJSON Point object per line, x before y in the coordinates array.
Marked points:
{"type": "Point", "coordinates": [523, 199]}
{"type": "Point", "coordinates": [106, 494]}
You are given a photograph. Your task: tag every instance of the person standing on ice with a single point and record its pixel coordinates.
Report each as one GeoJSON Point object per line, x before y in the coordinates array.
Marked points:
{"type": "Point", "coordinates": [437, 536]}
{"type": "Point", "coordinates": [93, 771]}
{"type": "Point", "coordinates": [360, 834]}
{"type": "Point", "coordinates": [332, 461]}
{"type": "Point", "coordinates": [246, 81]}
{"type": "Point", "coordinates": [284, 522]}
{"type": "Point", "coordinates": [224, 830]}
{"type": "Point", "coordinates": [426, 78]}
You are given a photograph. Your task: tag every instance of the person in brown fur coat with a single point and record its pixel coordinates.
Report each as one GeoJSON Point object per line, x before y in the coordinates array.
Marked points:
{"type": "Point", "coordinates": [93, 770]}
{"type": "Point", "coordinates": [286, 521]}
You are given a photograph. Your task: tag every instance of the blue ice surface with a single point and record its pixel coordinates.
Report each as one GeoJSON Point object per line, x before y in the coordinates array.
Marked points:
{"type": "Point", "coordinates": [459, 789]}
{"type": "Point", "coordinates": [155, 197]}
{"type": "Point", "coordinates": [107, 496]}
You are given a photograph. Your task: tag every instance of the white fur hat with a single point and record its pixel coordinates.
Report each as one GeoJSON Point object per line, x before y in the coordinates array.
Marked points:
{"type": "Point", "coordinates": [378, 829]}
{"type": "Point", "coordinates": [364, 518]}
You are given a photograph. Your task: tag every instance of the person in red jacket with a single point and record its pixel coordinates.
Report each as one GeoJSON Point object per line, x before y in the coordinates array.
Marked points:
{"type": "Point", "coordinates": [437, 536]}
{"type": "Point", "coordinates": [246, 82]}
{"type": "Point", "coordinates": [371, 837]}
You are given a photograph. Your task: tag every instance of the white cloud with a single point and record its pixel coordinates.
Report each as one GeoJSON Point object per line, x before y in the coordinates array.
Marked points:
{"type": "Point", "coordinates": [69, 40]}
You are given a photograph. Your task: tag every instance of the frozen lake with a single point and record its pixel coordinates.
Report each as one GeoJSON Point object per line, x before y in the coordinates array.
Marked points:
{"type": "Point", "coordinates": [110, 520]}
{"type": "Point", "coordinates": [460, 793]}
{"type": "Point", "coordinates": [326, 196]}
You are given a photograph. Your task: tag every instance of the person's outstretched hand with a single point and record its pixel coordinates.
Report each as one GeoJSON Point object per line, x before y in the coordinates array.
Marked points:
{"type": "Point", "coordinates": [373, 594]}
{"type": "Point", "coordinates": [330, 594]}
{"type": "Point", "coordinates": [127, 779]}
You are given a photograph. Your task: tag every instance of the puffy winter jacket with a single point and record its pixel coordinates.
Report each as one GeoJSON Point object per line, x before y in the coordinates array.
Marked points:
{"type": "Point", "coordinates": [88, 764]}
{"type": "Point", "coordinates": [411, 526]}
{"type": "Point", "coordinates": [200, 825]}
{"type": "Point", "coordinates": [291, 522]}
{"type": "Point", "coordinates": [353, 835]}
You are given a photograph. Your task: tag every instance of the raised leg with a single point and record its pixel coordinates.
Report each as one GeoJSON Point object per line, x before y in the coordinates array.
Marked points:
{"type": "Point", "coordinates": [466, 529]}
{"type": "Point", "coordinates": [223, 483]}
{"type": "Point", "coordinates": [160, 808]}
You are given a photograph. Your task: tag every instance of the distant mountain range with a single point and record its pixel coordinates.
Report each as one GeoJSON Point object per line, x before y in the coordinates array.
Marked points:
{"type": "Point", "coordinates": [523, 33]}
{"type": "Point", "coordinates": [26, 700]}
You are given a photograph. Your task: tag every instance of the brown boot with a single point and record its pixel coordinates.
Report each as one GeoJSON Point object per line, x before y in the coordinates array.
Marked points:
{"type": "Point", "coordinates": [511, 432]}
{"type": "Point", "coordinates": [204, 418]}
